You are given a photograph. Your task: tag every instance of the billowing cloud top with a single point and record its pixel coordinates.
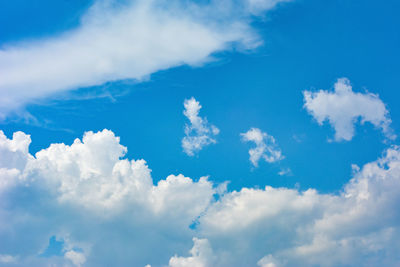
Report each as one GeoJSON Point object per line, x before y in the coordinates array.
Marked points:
{"type": "Point", "coordinates": [124, 40]}
{"type": "Point", "coordinates": [107, 211]}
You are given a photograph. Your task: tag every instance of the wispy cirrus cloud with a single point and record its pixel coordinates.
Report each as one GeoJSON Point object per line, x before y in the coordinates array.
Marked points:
{"type": "Point", "coordinates": [119, 40]}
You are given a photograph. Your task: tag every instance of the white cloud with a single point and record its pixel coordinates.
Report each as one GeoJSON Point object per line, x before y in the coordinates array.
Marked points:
{"type": "Point", "coordinates": [123, 40]}
{"type": "Point", "coordinates": [266, 147]}
{"type": "Point", "coordinates": [88, 193]}
{"type": "Point", "coordinates": [76, 258]}
{"type": "Point", "coordinates": [258, 6]}
{"type": "Point", "coordinates": [7, 258]}
{"type": "Point", "coordinates": [343, 108]}
{"type": "Point", "coordinates": [358, 227]}
{"type": "Point", "coordinates": [14, 155]}
{"type": "Point", "coordinates": [268, 261]}
{"type": "Point", "coordinates": [109, 212]}
{"type": "Point", "coordinates": [285, 171]}
{"type": "Point", "coordinates": [199, 133]}
{"type": "Point", "coordinates": [201, 255]}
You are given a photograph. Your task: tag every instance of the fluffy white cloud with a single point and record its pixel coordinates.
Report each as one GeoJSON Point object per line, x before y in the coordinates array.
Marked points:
{"type": "Point", "coordinates": [343, 108]}
{"type": "Point", "coordinates": [266, 147]}
{"type": "Point", "coordinates": [108, 211]}
{"type": "Point", "coordinates": [14, 155]}
{"type": "Point", "coordinates": [199, 133]}
{"type": "Point", "coordinates": [268, 261]}
{"type": "Point", "coordinates": [358, 227]}
{"type": "Point", "coordinates": [90, 172]}
{"type": "Point", "coordinates": [77, 258]}
{"type": "Point", "coordinates": [124, 40]}
{"type": "Point", "coordinates": [79, 191]}
{"type": "Point", "coordinates": [201, 255]}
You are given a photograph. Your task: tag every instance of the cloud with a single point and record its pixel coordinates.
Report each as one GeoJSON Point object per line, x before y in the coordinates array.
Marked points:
{"type": "Point", "coordinates": [201, 255]}
{"type": "Point", "coordinates": [199, 133]}
{"type": "Point", "coordinates": [75, 192]}
{"type": "Point", "coordinates": [266, 147]}
{"type": "Point", "coordinates": [285, 171]}
{"type": "Point", "coordinates": [77, 258]}
{"type": "Point", "coordinates": [358, 227]}
{"type": "Point", "coordinates": [343, 108]}
{"type": "Point", "coordinates": [119, 40]}
{"type": "Point", "coordinates": [108, 211]}
{"type": "Point", "coordinates": [7, 259]}
{"type": "Point", "coordinates": [268, 261]}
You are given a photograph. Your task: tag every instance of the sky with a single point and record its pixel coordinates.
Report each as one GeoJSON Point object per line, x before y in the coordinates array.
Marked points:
{"type": "Point", "coordinates": [199, 133]}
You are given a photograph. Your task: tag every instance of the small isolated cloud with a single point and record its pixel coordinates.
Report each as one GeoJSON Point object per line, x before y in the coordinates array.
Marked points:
{"type": "Point", "coordinates": [285, 171]}
{"type": "Point", "coordinates": [343, 108]}
{"type": "Point", "coordinates": [266, 147]}
{"type": "Point", "coordinates": [199, 133]}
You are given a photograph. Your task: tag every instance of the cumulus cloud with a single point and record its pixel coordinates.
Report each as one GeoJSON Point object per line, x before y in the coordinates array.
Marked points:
{"type": "Point", "coordinates": [266, 147]}
{"type": "Point", "coordinates": [268, 261]}
{"type": "Point", "coordinates": [201, 255]}
{"type": "Point", "coordinates": [119, 40]}
{"type": "Point", "coordinates": [199, 133]}
{"type": "Point", "coordinates": [343, 108]}
{"type": "Point", "coordinates": [358, 227]}
{"type": "Point", "coordinates": [108, 211]}
{"type": "Point", "coordinates": [13, 157]}
{"type": "Point", "coordinates": [79, 191]}
{"type": "Point", "coordinates": [77, 258]}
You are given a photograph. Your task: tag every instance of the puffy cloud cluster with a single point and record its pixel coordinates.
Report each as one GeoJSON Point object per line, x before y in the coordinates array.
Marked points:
{"type": "Point", "coordinates": [199, 133]}
{"type": "Point", "coordinates": [343, 108]}
{"type": "Point", "coordinates": [266, 147]}
{"type": "Point", "coordinates": [119, 40]}
{"type": "Point", "coordinates": [108, 211]}
{"type": "Point", "coordinates": [88, 194]}
{"type": "Point", "coordinates": [14, 155]}
{"type": "Point", "coordinates": [286, 227]}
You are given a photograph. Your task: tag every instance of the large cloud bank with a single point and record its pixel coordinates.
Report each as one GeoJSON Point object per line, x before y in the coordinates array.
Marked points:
{"type": "Point", "coordinates": [125, 40]}
{"type": "Point", "coordinates": [108, 212]}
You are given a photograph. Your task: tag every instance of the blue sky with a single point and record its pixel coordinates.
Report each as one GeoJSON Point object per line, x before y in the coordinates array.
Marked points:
{"type": "Point", "coordinates": [303, 49]}
{"type": "Point", "coordinates": [306, 46]}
